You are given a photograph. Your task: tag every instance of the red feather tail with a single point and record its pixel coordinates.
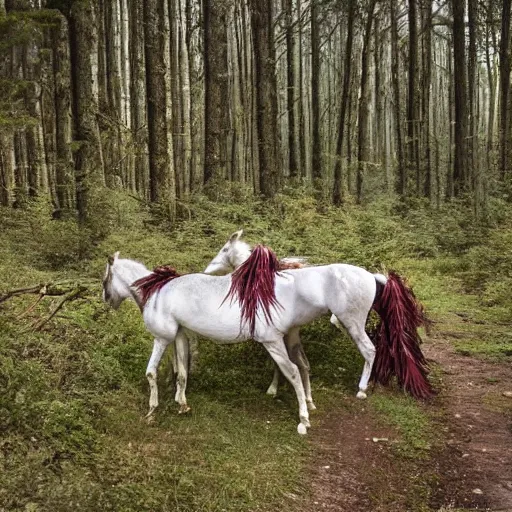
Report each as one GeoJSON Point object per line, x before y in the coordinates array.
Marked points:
{"type": "Point", "coordinates": [147, 286]}
{"type": "Point", "coordinates": [397, 340]}
{"type": "Point", "coordinates": [252, 284]}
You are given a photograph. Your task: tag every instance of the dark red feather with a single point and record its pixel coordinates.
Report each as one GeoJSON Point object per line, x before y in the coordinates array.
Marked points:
{"type": "Point", "coordinates": [397, 340]}
{"type": "Point", "coordinates": [253, 285]}
{"type": "Point", "coordinates": [147, 286]}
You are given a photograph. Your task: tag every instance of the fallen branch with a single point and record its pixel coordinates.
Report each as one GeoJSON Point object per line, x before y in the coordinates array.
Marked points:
{"type": "Point", "coordinates": [67, 290]}
{"type": "Point", "coordinates": [21, 291]}
{"type": "Point", "coordinates": [69, 297]}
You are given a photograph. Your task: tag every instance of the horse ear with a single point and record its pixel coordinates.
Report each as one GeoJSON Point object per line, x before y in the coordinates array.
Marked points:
{"type": "Point", "coordinates": [236, 236]}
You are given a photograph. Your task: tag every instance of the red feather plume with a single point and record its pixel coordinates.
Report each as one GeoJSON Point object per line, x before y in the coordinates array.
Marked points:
{"type": "Point", "coordinates": [147, 286]}
{"type": "Point", "coordinates": [252, 284]}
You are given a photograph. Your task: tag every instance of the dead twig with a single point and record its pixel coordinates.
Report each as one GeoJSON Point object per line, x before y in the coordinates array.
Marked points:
{"type": "Point", "coordinates": [21, 291]}
{"type": "Point", "coordinates": [42, 294]}
{"type": "Point", "coordinates": [67, 298]}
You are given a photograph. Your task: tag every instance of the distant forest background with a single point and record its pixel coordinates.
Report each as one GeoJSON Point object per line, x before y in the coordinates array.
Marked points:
{"type": "Point", "coordinates": [167, 98]}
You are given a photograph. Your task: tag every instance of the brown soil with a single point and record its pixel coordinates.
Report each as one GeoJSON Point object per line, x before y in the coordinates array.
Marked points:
{"type": "Point", "coordinates": [477, 421]}
{"type": "Point", "coordinates": [351, 472]}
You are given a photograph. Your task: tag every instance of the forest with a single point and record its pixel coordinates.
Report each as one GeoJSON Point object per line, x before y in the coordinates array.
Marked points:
{"type": "Point", "coordinates": [376, 133]}
{"type": "Point", "coordinates": [165, 99]}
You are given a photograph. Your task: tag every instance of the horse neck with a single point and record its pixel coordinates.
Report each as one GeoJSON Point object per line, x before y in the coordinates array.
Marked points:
{"type": "Point", "coordinates": [128, 272]}
{"type": "Point", "coordinates": [242, 253]}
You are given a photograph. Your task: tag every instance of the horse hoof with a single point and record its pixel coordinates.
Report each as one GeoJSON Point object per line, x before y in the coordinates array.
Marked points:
{"type": "Point", "coordinates": [149, 415]}
{"type": "Point", "coordinates": [361, 395]}
{"type": "Point", "coordinates": [302, 430]}
{"type": "Point", "coordinates": [272, 392]}
{"type": "Point", "coordinates": [311, 406]}
{"type": "Point", "coordinates": [184, 409]}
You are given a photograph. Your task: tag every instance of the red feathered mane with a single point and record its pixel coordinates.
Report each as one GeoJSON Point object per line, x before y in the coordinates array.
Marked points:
{"type": "Point", "coordinates": [253, 285]}
{"type": "Point", "coordinates": [147, 286]}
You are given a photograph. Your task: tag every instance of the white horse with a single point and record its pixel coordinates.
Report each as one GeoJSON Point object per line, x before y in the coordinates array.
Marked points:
{"type": "Point", "coordinates": [230, 257]}
{"type": "Point", "coordinates": [266, 304]}
{"type": "Point", "coordinates": [400, 313]}
{"type": "Point", "coordinates": [196, 302]}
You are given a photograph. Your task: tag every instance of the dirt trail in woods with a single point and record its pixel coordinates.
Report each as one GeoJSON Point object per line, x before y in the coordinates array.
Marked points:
{"type": "Point", "coordinates": [470, 466]}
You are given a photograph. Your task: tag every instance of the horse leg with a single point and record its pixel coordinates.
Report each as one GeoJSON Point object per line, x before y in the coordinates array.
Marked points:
{"type": "Point", "coordinates": [297, 356]}
{"type": "Point", "coordinates": [182, 362]}
{"type": "Point", "coordinates": [159, 346]}
{"type": "Point", "coordinates": [278, 352]}
{"type": "Point", "coordinates": [356, 329]}
{"type": "Point", "coordinates": [272, 389]}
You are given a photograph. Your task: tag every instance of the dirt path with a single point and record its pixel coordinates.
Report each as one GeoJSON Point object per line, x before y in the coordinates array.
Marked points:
{"type": "Point", "coordinates": [470, 467]}
{"type": "Point", "coordinates": [351, 472]}
{"type": "Point", "coordinates": [477, 420]}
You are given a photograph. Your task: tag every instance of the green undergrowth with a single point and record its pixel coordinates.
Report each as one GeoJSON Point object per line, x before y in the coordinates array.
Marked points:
{"type": "Point", "coordinates": [415, 430]}
{"type": "Point", "coordinates": [74, 395]}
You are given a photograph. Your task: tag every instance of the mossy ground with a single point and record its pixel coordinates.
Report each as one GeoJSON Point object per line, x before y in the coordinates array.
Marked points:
{"type": "Point", "coordinates": [74, 395]}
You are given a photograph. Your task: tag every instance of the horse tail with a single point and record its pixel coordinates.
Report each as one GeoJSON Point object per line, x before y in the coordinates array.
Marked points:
{"type": "Point", "coordinates": [253, 285]}
{"type": "Point", "coordinates": [396, 338]}
{"type": "Point", "coordinates": [148, 285]}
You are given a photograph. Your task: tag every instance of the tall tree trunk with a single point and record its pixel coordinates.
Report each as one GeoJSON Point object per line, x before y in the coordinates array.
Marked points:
{"type": "Point", "coordinates": [316, 160]}
{"type": "Point", "coordinates": [362, 135]}
{"type": "Point", "coordinates": [425, 94]}
{"type": "Point", "coordinates": [62, 87]}
{"type": "Point", "coordinates": [401, 182]}
{"type": "Point", "coordinates": [216, 86]}
{"type": "Point", "coordinates": [88, 164]}
{"type": "Point", "coordinates": [505, 64]}
{"type": "Point", "coordinates": [491, 85]}
{"type": "Point", "coordinates": [290, 93]}
{"type": "Point", "coordinates": [460, 171]}
{"type": "Point", "coordinates": [337, 194]}
{"type": "Point", "coordinates": [412, 97]}
{"type": "Point", "coordinates": [161, 178]}
{"type": "Point", "coordinates": [138, 103]}
{"type": "Point", "coordinates": [266, 93]}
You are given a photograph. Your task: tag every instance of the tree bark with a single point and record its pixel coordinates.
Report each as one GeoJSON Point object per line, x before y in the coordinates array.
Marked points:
{"type": "Point", "coordinates": [88, 165]}
{"type": "Point", "coordinates": [337, 194]}
{"type": "Point", "coordinates": [216, 86]}
{"type": "Point", "coordinates": [161, 179]}
{"type": "Point", "coordinates": [460, 171]}
{"type": "Point", "coordinates": [316, 160]}
{"type": "Point", "coordinates": [265, 85]}
{"type": "Point", "coordinates": [362, 135]}
{"type": "Point", "coordinates": [505, 65]}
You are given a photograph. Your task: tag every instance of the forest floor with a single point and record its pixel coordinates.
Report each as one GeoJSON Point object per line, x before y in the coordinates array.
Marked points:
{"type": "Point", "coordinates": [73, 434]}
{"type": "Point", "coordinates": [356, 466]}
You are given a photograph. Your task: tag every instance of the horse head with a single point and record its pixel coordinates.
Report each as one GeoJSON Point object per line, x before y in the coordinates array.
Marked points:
{"type": "Point", "coordinates": [119, 275]}
{"type": "Point", "coordinates": [110, 293]}
{"type": "Point", "coordinates": [232, 255]}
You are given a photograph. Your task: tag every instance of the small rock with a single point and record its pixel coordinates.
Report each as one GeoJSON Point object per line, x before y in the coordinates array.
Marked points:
{"type": "Point", "coordinates": [465, 455]}
{"type": "Point", "coordinates": [477, 491]}
{"type": "Point", "coordinates": [457, 415]}
{"type": "Point", "coordinates": [508, 394]}
{"type": "Point", "coordinates": [327, 467]}
{"type": "Point", "coordinates": [484, 449]}
{"type": "Point", "coordinates": [379, 439]}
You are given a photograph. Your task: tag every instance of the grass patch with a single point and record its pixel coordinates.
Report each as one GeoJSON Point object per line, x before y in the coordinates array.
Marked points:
{"type": "Point", "coordinates": [411, 421]}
